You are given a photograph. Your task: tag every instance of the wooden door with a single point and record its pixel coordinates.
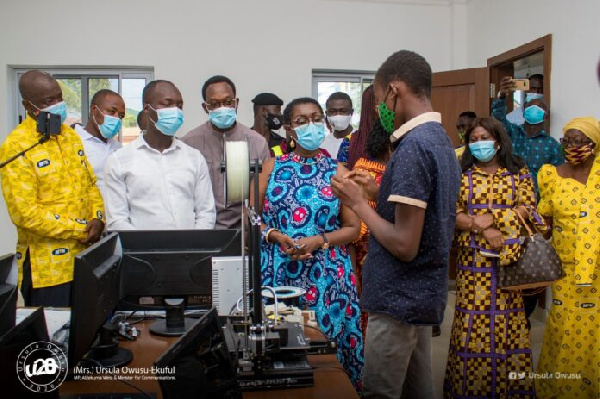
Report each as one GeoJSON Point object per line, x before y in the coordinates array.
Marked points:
{"type": "Point", "coordinates": [457, 91]}
{"type": "Point", "coordinates": [454, 92]}
{"type": "Point", "coordinates": [502, 65]}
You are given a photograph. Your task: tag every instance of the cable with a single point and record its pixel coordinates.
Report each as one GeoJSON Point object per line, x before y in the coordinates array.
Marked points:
{"type": "Point", "coordinates": [128, 317]}
{"type": "Point", "coordinates": [264, 287]}
{"type": "Point", "coordinates": [42, 140]}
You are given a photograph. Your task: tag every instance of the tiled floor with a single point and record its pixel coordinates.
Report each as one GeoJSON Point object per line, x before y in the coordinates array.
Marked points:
{"type": "Point", "coordinates": [439, 345]}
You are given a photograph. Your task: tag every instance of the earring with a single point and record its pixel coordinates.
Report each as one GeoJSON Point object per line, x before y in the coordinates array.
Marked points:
{"type": "Point", "coordinates": [292, 144]}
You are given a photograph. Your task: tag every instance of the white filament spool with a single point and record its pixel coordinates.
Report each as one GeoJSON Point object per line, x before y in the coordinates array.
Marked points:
{"type": "Point", "coordinates": [285, 292]}
{"type": "Point", "coordinates": [237, 171]}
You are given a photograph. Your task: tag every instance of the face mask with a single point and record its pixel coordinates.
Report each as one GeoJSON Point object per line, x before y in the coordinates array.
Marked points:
{"type": "Point", "coordinates": [578, 155]}
{"type": "Point", "coordinates": [533, 96]}
{"type": "Point", "coordinates": [387, 116]}
{"type": "Point", "coordinates": [274, 122]}
{"type": "Point", "coordinates": [311, 135]}
{"type": "Point", "coordinates": [340, 122]}
{"type": "Point", "coordinates": [534, 115]}
{"type": "Point", "coordinates": [169, 120]}
{"type": "Point", "coordinates": [223, 117]}
{"type": "Point", "coordinates": [484, 151]}
{"type": "Point", "coordinates": [59, 109]}
{"type": "Point", "coordinates": [110, 127]}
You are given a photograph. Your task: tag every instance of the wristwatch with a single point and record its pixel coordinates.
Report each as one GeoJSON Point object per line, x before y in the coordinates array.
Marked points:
{"type": "Point", "coordinates": [325, 242]}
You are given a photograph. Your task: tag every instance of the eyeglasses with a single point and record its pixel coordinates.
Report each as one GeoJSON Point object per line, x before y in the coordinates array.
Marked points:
{"type": "Point", "coordinates": [573, 143]}
{"type": "Point", "coordinates": [302, 120]}
{"type": "Point", "coordinates": [229, 103]}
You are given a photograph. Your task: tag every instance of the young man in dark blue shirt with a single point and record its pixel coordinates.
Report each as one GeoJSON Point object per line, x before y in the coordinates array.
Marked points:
{"type": "Point", "coordinates": [405, 279]}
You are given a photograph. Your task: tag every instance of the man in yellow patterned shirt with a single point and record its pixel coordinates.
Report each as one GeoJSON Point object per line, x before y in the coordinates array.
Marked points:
{"type": "Point", "coordinates": [51, 196]}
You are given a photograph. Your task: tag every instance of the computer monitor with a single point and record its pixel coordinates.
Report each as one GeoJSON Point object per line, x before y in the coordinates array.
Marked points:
{"type": "Point", "coordinates": [94, 296]}
{"type": "Point", "coordinates": [8, 296]}
{"type": "Point", "coordinates": [6, 264]}
{"type": "Point", "coordinates": [200, 363]}
{"type": "Point", "coordinates": [29, 331]}
{"type": "Point", "coordinates": [159, 265]}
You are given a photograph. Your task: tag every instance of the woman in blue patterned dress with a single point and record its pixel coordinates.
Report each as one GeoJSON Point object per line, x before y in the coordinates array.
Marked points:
{"type": "Point", "coordinates": [305, 232]}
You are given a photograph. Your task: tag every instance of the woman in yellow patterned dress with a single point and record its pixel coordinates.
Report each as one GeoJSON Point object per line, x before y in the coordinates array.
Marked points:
{"type": "Point", "coordinates": [570, 195]}
{"type": "Point", "coordinates": [490, 353]}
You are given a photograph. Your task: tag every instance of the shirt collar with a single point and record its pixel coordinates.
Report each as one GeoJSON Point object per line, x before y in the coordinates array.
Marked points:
{"type": "Point", "coordinates": [31, 123]}
{"type": "Point", "coordinates": [218, 134]}
{"type": "Point", "coordinates": [139, 142]}
{"type": "Point", "coordinates": [85, 135]}
{"type": "Point", "coordinates": [540, 133]}
{"type": "Point", "coordinates": [501, 170]}
{"type": "Point", "coordinates": [414, 122]}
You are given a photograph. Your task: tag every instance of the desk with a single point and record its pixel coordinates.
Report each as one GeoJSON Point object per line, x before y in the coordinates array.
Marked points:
{"type": "Point", "coordinates": [330, 381]}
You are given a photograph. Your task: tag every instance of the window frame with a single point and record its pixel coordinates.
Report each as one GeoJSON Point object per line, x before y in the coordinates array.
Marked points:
{"type": "Point", "coordinates": [334, 75]}
{"type": "Point", "coordinates": [65, 72]}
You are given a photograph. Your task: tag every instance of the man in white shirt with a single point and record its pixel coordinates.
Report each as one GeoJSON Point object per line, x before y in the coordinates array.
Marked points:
{"type": "Point", "coordinates": [338, 109]}
{"type": "Point", "coordinates": [107, 110]}
{"type": "Point", "coordinates": [158, 182]}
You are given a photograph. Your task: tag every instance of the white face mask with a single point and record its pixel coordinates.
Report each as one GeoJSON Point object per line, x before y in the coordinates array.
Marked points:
{"type": "Point", "coordinates": [339, 122]}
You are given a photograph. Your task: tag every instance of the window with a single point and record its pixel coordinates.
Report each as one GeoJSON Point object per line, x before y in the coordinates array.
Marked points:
{"type": "Point", "coordinates": [80, 85]}
{"type": "Point", "coordinates": [326, 82]}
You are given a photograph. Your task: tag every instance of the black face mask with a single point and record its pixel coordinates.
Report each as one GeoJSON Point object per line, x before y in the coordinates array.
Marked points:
{"type": "Point", "coordinates": [274, 122]}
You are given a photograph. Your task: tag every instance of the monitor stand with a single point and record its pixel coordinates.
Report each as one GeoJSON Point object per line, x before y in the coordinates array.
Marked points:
{"type": "Point", "coordinates": [175, 323]}
{"type": "Point", "coordinates": [107, 352]}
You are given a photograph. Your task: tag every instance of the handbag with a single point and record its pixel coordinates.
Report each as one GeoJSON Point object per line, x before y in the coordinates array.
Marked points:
{"type": "Point", "coordinates": [538, 266]}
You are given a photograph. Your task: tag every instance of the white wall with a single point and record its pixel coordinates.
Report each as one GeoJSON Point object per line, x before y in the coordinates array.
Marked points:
{"type": "Point", "coordinates": [497, 26]}
{"type": "Point", "coordinates": [262, 45]}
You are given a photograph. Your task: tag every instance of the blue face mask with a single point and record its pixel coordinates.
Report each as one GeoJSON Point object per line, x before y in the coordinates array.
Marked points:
{"type": "Point", "coordinates": [534, 114]}
{"type": "Point", "coordinates": [311, 135]}
{"type": "Point", "coordinates": [110, 127]}
{"type": "Point", "coordinates": [169, 120]}
{"type": "Point", "coordinates": [223, 117]}
{"type": "Point", "coordinates": [484, 151]}
{"type": "Point", "coordinates": [59, 109]}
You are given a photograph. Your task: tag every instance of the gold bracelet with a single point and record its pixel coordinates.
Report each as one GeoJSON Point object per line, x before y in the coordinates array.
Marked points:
{"type": "Point", "coordinates": [267, 235]}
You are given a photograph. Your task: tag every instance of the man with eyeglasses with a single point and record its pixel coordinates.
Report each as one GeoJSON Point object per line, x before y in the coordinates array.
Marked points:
{"type": "Point", "coordinates": [339, 111]}
{"type": "Point", "coordinates": [220, 103]}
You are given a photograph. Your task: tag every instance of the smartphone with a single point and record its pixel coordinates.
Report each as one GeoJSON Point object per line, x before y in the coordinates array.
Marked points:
{"type": "Point", "coordinates": [521, 84]}
{"type": "Point", "coordinates": [48, 123]}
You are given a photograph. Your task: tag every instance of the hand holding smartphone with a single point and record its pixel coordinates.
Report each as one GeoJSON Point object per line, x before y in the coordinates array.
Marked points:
{"type": "Point", "coordinates": [520, 84]}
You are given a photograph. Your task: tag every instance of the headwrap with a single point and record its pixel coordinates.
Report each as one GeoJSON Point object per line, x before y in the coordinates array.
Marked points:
{"type": "Point", "coordinates": [589, 126]}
